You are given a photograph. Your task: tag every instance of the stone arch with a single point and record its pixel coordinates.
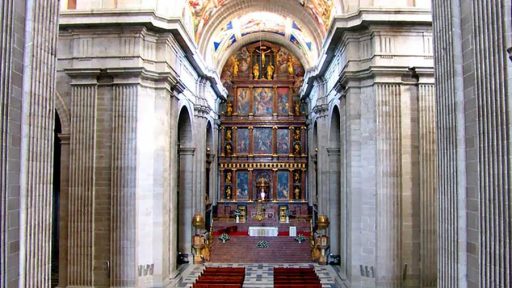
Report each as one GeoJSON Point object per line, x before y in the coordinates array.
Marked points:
{"type": "Point", "coordinates": [334, 131]}
{"type": "Point", "coordinates": [185, 183]}
{"type": "Point", "coordinates": [335, 199]}
{"type": "Point", "coordinates": [63, 112]}
{"type": "Point", "coordinates": [185, 127]}
{"type": "Point", "coordinates": [233, 9]}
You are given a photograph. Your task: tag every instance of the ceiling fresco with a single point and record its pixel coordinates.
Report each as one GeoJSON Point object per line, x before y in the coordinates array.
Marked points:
{"type": "Point", "coordinates": [204, 10]}
{"type": "Point", "coordinates": [257, 22]}
{"type": "Point", "coordinates": [223, 34]}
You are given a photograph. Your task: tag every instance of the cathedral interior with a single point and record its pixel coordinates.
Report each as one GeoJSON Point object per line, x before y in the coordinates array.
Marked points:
{"type": "Point", "coordinates": [155, 143]}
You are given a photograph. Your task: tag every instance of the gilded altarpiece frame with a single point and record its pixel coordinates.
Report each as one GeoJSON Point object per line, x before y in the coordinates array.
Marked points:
{"type": "Point", "coordinates": [268, 129]}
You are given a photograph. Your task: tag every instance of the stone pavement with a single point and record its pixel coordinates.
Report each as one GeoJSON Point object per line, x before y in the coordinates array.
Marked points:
{"type": "Point", "coordinates": [260, 275]}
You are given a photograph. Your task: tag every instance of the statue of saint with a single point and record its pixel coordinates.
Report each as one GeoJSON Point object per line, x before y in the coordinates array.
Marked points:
{"type": "Point", "coordinates": [256, 71]}
{"type": "Point", "coordinates": [296, 193]}
{"type": "Point", "coordinates": [296, 148]}
{"type": "Point", "coordinates": [290, 65]}
{"type": "Point", "coordinates": [228, 192]}
{"type": "Point", "coordinates": [228, 135]}
{"type": "Point", "coordinates": [296, 176]}
{"type": "Point", "coordinates": [229, 149]}
{"type": "Point", "coordinates": [236, 64]}
{"type": "Point", "coordinates": [229, 108]}
{"type": "Point", "coordinates": [270, 71]}
{"type": "Point", "coordinates": [228, 177]}
{"type": "Point", "coordinates": [297, 108]}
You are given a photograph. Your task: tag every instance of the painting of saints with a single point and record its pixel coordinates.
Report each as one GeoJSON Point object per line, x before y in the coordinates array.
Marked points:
{"type": "Point", "coordinates": [263, 101]}
{"type": "Point", "coordinates": [263, 141]}
{"type": "Point", "coordinates": [242, 144]}
{"type": "Point", "coordinates": [282, 101]}
{"type": "Point", "coordinates": [242, 185]}
{"type": "Point", "coordinates": [243, 101]}
{"type": "Point", "coordinates": [282, 185]}
{"type": "Point", "coordinates": [283, 141]}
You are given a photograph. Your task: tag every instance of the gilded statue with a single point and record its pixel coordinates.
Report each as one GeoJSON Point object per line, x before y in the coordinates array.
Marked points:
{"type": "Point", "coordinates": [228, 192]}
{"type": "Point", "coordinates": [296, 148]}
{"type": "Point", "coordinates": [228, 177]}
{"type": "Point", "coordinates": [296, 193]}
{"type": "Point", "coordinates": [297, 108]}
{"type": "Point", "coordinates": [290, 66]}
{"type": "Point", "coordinates": [296, 135]}
{"type": "Point", "coordinates": [229, 149]}
{"type": "Point", "coordinates": [236, 64]}
{"type": "Point", "coordinates": [270, 71]}
{"type": "Point", "coordinates": [256, 71]}
{"type": "Point", "coordinates": [228, 135]}
{"type": "Point", "coordinates": [296, 176]}
{"type": "Point", "coordinates": [229, 108]}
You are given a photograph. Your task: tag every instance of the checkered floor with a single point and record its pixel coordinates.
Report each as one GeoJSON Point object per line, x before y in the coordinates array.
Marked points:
{"type": "Point", "coordinates": [259, 275]}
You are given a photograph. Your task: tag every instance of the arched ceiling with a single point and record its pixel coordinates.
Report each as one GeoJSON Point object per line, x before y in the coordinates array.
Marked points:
{"type": "Point", "coordinates": [299, 25]}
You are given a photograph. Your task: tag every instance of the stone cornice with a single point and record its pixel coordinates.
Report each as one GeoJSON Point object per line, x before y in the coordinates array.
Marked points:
{"type": "Point", "coordinates": [359, 20]}
{"type": "Point", "coordinates": [149, 19]}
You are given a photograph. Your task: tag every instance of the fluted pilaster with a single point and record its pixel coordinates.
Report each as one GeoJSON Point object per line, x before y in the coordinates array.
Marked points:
{"type": "Point", "coordinates": [428, 180]}
{"type": "Point", "coordinates": [493, 168]}
{"type": "Point", "coordinates": [388, 185]}
{"type": "Point", "coordinates": [473, 143]}
{"type": "Point", "coordinates": [37, 144]}
{"type": "Point", "coordinates": [124, 133]}
{"type": "Point", "coordinates": [8, 270]}
{"type": "Point", "coordinates": [81, 190]}
{"type": "Point", "coordinates": [448, 180]}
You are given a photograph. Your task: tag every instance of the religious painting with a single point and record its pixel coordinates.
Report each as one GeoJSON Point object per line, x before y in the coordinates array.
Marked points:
{"type": "Point", "coordinates": [282, 101]}
{"type": "Point", "coordinates": [283, 141]}
{"type": "Point", "coordinates": [243, 101]}
{"type": "Point", "coordinates": [263, 101]}
{"type": "Point", "coordinates": [282, 185]}
{"type": "Point", "coordinates": [262, 140]}
{"type": "Point", "coordinates": [242, 185]}
{"type": "Point", "coordinates": [242, 141]}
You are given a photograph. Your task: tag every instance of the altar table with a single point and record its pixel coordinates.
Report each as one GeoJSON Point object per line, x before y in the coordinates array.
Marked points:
{"type": "Point", "coordinates": [263, 231]}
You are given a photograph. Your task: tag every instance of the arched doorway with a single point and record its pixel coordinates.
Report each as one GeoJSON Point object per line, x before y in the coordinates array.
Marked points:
{"type": "Point", "coordinates": [334, 206]}
{"type": "Point", "coordinates": [185, 185]}
{"type": "Point", "coordinates": [208, 175]}
{"type": "Point", "coordinates": [56, 217]}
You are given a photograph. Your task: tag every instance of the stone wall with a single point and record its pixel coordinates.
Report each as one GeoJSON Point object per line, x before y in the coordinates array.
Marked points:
{"type": "Point", "coordinates": [125, 88]}
{"type": "Point", "coordinates": [27, 88]}
{"type": "Point", "coordinates": [473, 89]}
{"type": "Point", "coordinates": [380, 78]}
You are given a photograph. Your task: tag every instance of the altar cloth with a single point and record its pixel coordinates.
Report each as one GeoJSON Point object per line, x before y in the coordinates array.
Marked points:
{"type": "Point", "coordinates": [263, 231]}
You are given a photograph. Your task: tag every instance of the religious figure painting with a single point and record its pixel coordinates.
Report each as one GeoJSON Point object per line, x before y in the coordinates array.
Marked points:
{"type": "Point", "coordinates": [243, 101]}
{"type": "Point", "coordinates": [263, 101]}
{"type": "Point", "coordinates": [263, 141]}
{"type": "Point", "coordinates": [242, 185]}
{"type": "Point", "coordinates": [282, 101]}
{"type": "Point", "coordinates": [282, 185]}
{"type": "Point", "coordinates": [283, 141]}
{"type": "Point", "coordinates": [242, 138]}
